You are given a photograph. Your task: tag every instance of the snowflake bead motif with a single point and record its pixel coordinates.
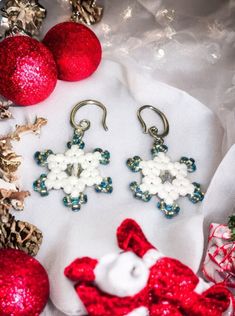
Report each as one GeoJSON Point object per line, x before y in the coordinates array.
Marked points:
{"type": "Point", "coordinates": [73, 171]}
{"type": "Point", "coordinates": [166, 179]}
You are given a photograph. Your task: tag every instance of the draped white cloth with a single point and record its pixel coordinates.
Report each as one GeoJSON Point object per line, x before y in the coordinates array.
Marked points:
{"type": "Point", "coordinates": [140, 53]}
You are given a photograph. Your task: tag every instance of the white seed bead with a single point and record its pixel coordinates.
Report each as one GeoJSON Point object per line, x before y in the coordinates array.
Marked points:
{"type": "Point", "coordinates": [151, 164]}
{"type": "Point", "coordinates": [156, 159]}
{"type": "Point", "coordinates": [59, 158]}
{"type": "Point", "coordinates": [169, 200]}
{"type": "Point", "coordinates": [183, 191]}
{"type": "Point", "coordinates": [167, 187]}
{"type": "Point", "coordinates": [191, 189]}
{"type": "Point", "coordinates": [174, 172]}
{"type": "Point", "coordinates": [51, 175]}
{"type": "Point", "coordinates": [153, 189]}
{"type": "Point", "coordinates": [183, 173]}
{"type": "Point", "coordinates": [80, 186]}
{"type": "Point", "coordinates": [58, 170]}
{"type": "Point", "coordinates": [185, 182]}
{"type": "Point", "coordinates": [183, 166]}
{"type": "Point", "coordinates": [146, 171]}
{"type": "Point", "coordinates": [156, 172]}
{"type": "Point", "coordinates": [161, 155]}
{"type": "Point", "coordinates": [143, 187]}
{"type": "Point", "coordinates": [73, 180]}
{"type": "Point", "coordinates": [61, 175]}
{"type": "Point", "coordinates": [95, 172]}
{"type": "Point", "coordinates": [157, 181]}
{"type": "Point", "coordinates": [64, 182]}
{"type": "Point", "coordinates": [57, 185]}
{"type": "Point", "coordinates": [176, 183]}
{"type": "Point", "coordinates": [74, 153]}
{"type": "Point", "coordinates": [143, 164]}
{"type": "Point", "coordinates": [166, 159]}
{"type": "Point", "coordinates": [68, 188]}
{"type": "Point", "coordinates": [90, 182]}
{"type": "Point", "coordinates": [49, 184]}
{"type": "Point", "coordinates": [81, 159]}
{"type": "Point", "coordinates": [162, 194]}
{"type": "Point", "coordinates": [174, 195]}
{"type": "Point", "coordinates": [170, 166]}
{"type": "Point", "coordinates": [98, 180]}
{"type": "Point", "coordinates": [85, 174]}
{"type": "Point", "coordinates": [97, 155]}
{"type": "Point", "coordinates": [51, 158]}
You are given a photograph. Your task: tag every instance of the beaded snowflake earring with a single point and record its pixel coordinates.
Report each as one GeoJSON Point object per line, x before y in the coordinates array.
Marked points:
{"type": "Point", "coordinates": [163, 178]}
{"type": "Point", "coordinates": [74, 170]}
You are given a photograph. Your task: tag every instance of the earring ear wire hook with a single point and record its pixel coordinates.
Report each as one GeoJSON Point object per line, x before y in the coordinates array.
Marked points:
{"type": "Point", "coordinates": [153, 130]}
{"type": "Point", "coordinates": [85, 124]}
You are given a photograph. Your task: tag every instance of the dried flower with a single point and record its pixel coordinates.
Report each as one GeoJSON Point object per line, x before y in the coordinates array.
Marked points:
{"type": "Point", "coordinates": [9, 160]}
{"type": "Point", "coordinates": [12, 198]}
{"type": "Point", "coordinates": [22, 15]}
{"type": "Point", "coordinates": [86, 11]}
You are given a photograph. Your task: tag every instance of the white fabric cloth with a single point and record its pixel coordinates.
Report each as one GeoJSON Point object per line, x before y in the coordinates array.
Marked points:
{"type": "Point", "coordinates": [194, 132]}
{"type": "Point", "coordinates": [188, 44]}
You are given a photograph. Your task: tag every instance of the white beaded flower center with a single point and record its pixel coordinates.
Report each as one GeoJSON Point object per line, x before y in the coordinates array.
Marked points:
{"type": "Point", "coordinates": [73, 171]}
{"type": "Point", "coordinates": [166, 179]}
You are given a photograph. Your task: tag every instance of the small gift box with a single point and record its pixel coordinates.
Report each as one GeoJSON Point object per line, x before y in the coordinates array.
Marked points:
{"type": "Point", "coordinates": [219, 264]}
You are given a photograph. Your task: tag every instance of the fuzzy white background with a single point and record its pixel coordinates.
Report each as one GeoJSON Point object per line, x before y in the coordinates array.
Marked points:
{"type": "Point", "coordinates": [150, 48]}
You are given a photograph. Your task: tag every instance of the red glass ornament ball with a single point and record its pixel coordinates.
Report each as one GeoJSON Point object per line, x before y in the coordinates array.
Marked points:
{"type": "Point", "coordinates": [76, 50]}
{"type": "Point", "coordinates": [28, 73]}
{"type": "Point", "coordinates": [24, 285]}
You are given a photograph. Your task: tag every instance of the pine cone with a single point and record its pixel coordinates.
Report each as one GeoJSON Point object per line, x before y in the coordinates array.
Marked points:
{"type": "Point", "coordinates": [9, 161]}
{"type": "Point", "coordinates": [18, 234]}
{"type": "Point", "coordinates": [86, 11]}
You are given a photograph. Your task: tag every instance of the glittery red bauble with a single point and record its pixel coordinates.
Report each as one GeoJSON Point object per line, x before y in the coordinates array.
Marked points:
{"type": "Point", "coordinates": [24, 285]}
{"type": "Point", "coordinates": [28, 72]}
{"type": "Point", "coordinates": [76, 50]}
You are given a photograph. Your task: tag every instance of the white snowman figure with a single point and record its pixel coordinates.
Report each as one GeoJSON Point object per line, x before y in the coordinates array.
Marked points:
{"type": "Point", "coordinates": [140, 281]}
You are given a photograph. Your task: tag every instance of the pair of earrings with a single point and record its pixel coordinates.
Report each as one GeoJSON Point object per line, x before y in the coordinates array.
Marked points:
{"type": "Point", "coordinates": [75, 170]}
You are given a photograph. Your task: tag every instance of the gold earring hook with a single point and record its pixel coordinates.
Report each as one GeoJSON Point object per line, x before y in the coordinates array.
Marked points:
{"type": "Point", "coordinates": [85, 124]}
{"type": "Point", "coordinates": [153, 130]}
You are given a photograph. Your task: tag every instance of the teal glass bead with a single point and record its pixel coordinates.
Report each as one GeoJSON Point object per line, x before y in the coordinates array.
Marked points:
{"type": "Point", "coordinates": [139, 194]}
{"type": "Point", "coordinates": [190, 163]}
{"type": "Point", "coordinates": [134, 163]}
{"type": "Point", "coordinates": [169, 210]}
{"type": "Point", "coordinates": [105, 156]}
{"type": "Point", "coordinates": [76, 140]}
{"type": "Point", "coordinates": [80, 144]}
{"type": "Point", "coordinates": [40, 186]}
{"type": "Point", "coordinates": [41, 157]}
{"type": "Point", "coordinates": [105, 186]}
{"type": "Point", "coordinates": [197, 195]}
{"type": "Point", "coordinates": [157, 148]}
{"type": "Point", "coordinates": [75, 203]}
